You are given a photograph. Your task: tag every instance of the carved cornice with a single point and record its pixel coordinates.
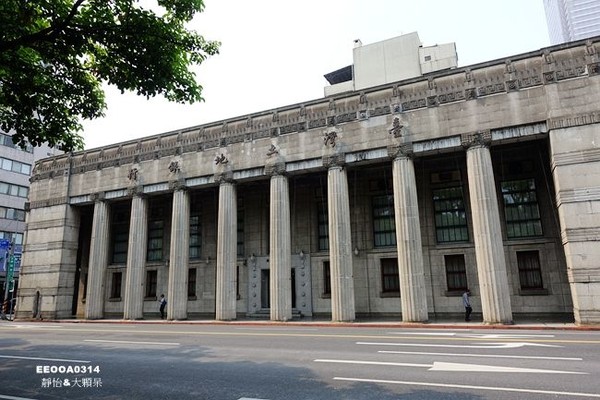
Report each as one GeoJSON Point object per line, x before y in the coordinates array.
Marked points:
{"type": "Point", "coordinates": [573, 120]}
{"type": "Point", "coordinates": [538, 68]}
{"type": "Point", "coordinates": [48, 203]}
{"type": "Point", "coordinates": [481, 138]}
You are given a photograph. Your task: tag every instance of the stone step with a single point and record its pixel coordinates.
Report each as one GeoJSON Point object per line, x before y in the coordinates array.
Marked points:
{"type": "Point", "coordinates": [265, 314]}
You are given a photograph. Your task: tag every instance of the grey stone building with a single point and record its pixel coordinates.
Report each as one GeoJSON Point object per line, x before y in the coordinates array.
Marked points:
{"type": "Point", "coordinates": [384, 201]}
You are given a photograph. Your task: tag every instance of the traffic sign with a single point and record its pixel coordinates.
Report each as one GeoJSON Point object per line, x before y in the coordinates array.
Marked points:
{"type": "Point", "coordinates": [11, 268]}
{"type": "Point", "coordinates": [4, 244]}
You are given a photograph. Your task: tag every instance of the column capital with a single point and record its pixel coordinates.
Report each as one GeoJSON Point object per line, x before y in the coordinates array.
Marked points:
{"type": "Point", "coordinates": [480, 138]}
{"type": "Point", "coordinates": [334, 160]}
{"type": "Point", "coordinates": [273, 169]}
{"type": "Point", "coordinates": [135, 191]}
{"type": "Point", "coordinates": [404, 150]}
{"type": "Point", "coordinates": [178, 184]}
{"type": "Point", "coordinates": [224, 177]}
{"type": "Point", "coordinates": [97, 196]}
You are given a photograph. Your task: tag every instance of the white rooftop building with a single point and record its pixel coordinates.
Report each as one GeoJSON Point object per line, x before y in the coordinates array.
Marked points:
{"type": "Point", "coordinates": [391, 60]}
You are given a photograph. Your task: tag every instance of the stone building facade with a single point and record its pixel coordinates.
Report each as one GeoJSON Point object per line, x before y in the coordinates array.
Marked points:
{"type": "Point", "coordinates": [389, 201]}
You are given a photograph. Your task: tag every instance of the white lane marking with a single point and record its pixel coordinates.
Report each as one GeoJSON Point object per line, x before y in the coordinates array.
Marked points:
{"type": "Point", "coordinates": [22, 326]}
{"type": "Point", "coordinates": [277, 330]}
{"type": "Point", "coordinates": [456, 386]}
{"type": "Point", "coordinates": [423, 333]}
{"type": "Point", "coordinates": [249, 398]}
{"type": "Point", "coordinates": [473, 335]}
{"type": "Point", "coordinates": [393, 364]}
{"type": "Point", "coordinates": [14, 398]}
{"type": "Point", "coordinates": [131, 342]}
{"type": "Point", "coordinates": [454, 367]}
{"type": "Point", "coordinates": [46, 359]}
{"type": "Point", "coordinates": [481, 346]}
{"type": "Point", "coordinates": [481, 355]}
{"type": "Point", "coordinates": [503, 336]}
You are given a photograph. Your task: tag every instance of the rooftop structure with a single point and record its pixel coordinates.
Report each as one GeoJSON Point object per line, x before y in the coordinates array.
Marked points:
{"type": "Point", "coordinates": [390, 60]}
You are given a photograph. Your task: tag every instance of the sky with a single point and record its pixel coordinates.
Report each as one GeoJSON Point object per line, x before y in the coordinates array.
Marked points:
{"type": "Point", "coordinates": [275, 52]}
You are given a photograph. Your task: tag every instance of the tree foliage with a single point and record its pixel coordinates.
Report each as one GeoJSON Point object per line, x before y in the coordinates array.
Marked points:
{"type": "Point", "coordinates": [54, 55]}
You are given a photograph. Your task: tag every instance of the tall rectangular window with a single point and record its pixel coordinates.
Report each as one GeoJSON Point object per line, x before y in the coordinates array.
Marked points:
{"type": "Point", "coordinates": [456, 272]}
{"type": "Point", "coordinates": [450, 215]}
{"type": "Point", "coordinates": [384, 225]}
{"type": "Point", "coordinates": [323, 225]}
{"type": "Point", "coordinates": [240, 228]}
{"type": "Point", "coordinates": [120, 234]}
{"type": "Point", "coordinates": [151, 280]}
{"type": "Point", "coordinates": [326, 279]}
{"type": "Point", "coordinates": [192, 282]}
{"type": "Point", "coordinates": [155, 235]}
{"type": "Point", "coordinates": [521, 209]}
{"type": "Point", "coordinates": [390, 279]}
{"type": "Point", "coordinates": [115, 287]}
{"type": "Point", "coordinates": [195, 237]}
{"type": "Point", "coordinates": [530, 272]}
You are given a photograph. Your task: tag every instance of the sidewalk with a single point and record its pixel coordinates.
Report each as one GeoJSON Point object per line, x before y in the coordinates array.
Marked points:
{"type": "Point", "coordinates": [365, 323]}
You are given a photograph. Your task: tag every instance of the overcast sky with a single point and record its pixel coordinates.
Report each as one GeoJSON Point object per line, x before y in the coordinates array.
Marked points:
{"type": "Point", "coordinates": [275, 53]}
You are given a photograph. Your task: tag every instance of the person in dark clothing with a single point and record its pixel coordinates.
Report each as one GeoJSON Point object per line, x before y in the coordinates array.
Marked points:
{"type": "Point", "coordinates": [162, 302]}
{"type": "Point", "coordinates": [467, 303]}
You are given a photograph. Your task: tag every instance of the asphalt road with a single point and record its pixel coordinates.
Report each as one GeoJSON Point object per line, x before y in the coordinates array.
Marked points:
{"type": "Point", "coordinates": [232, 362]}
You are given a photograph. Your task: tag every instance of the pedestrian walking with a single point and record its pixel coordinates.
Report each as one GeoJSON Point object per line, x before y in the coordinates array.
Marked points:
{"type": "Point", "coordinates": [467, 303]}
{"type": "Point", "coordinates": [162, 302]}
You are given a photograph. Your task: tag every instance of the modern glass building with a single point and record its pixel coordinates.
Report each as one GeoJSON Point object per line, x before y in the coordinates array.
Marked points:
{"type": "Point", "coordinates": [16, 165]}
{"type": "Point", "coordinates": [570, 20]}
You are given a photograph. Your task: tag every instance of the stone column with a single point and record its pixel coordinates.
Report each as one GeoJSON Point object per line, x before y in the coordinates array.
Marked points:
{"type": "Point", "coordinates": [96, 286]}
{"type": "Point", "coordinates": [177, 295]}
{"type": "Point", "coordinates": [489, 250]}
{"type": "Point", "coordinates": [136, 259]}
{"type": "Point", "coordinates": [226, 295]}
{"type": "Point", "coordinates": [340, 242]}
{"type": "Point", "coordinates": [280, 246]}
{"type": "Point", "coordinates": [408, 237]}
{"type": "Point", "coordinates": [573, 147]}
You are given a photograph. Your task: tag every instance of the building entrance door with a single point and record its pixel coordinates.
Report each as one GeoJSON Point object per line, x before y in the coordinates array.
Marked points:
{"type": "Point", "coordinates": [259, 285]}
{"type": "Point", "coordinates": [265, 288]}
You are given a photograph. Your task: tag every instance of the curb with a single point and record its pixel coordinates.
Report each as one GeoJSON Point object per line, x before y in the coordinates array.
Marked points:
{"type": "Point", "coordinates": [378, 324]}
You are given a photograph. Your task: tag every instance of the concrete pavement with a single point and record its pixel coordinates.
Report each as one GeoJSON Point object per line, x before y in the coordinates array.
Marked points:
{"type": "Point", "coordinates": [367, 323]}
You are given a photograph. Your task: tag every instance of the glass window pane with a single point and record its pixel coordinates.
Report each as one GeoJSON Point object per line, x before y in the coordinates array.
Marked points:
{"type": "Point", "coordinates": [450, 215]}
{"type": "Point", "coordinates": [521, 208]}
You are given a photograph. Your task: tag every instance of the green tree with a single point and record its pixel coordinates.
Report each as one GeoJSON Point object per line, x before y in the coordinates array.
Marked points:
{"type": "Point", "coordinates": [54, 55]}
